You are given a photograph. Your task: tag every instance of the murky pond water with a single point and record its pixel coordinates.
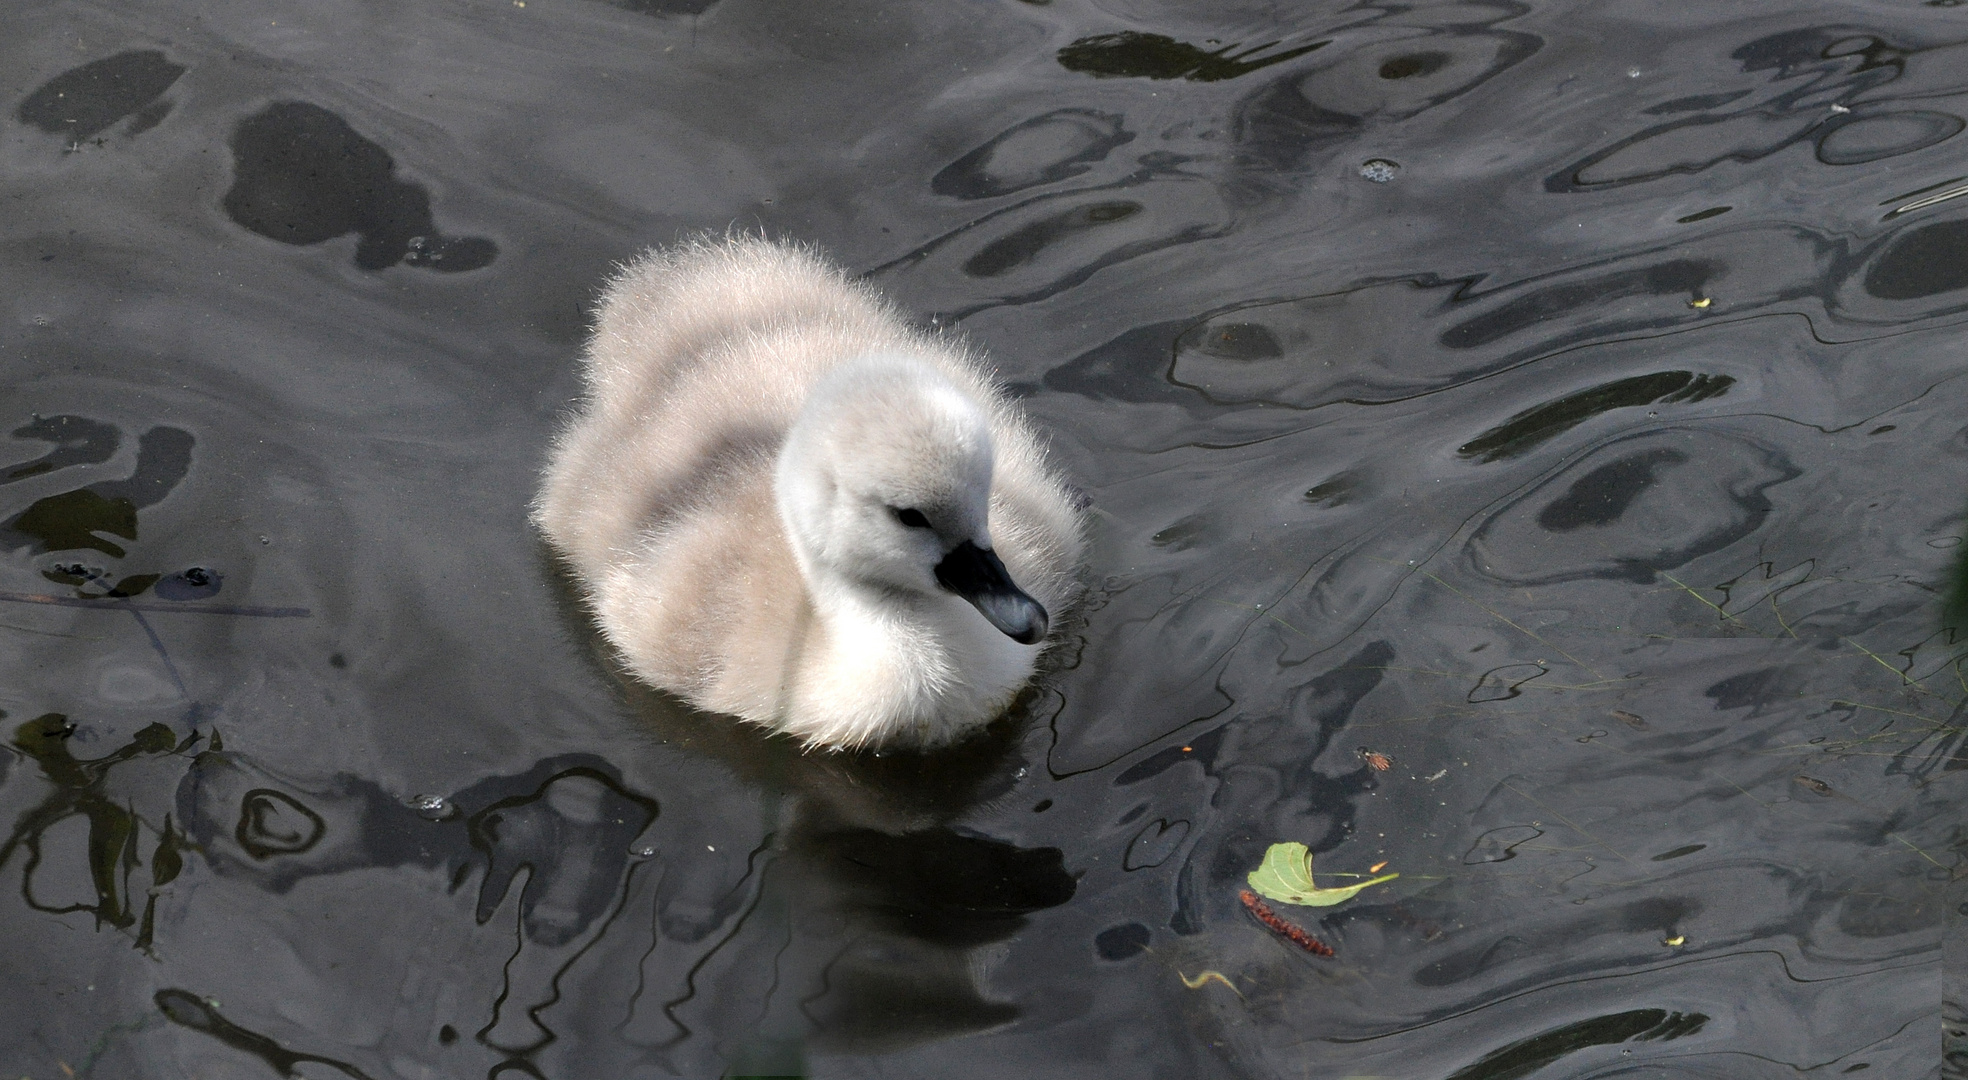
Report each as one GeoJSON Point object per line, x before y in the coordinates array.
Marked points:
{"type": "Point", "coordinates": [1526, 442]}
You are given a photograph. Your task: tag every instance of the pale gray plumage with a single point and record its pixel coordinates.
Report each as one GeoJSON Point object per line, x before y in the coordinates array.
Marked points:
{"type": "Point", "coordinates": [775, 492]}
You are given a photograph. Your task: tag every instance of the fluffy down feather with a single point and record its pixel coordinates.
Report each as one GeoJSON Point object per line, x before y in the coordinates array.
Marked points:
{"type": "Point", "coordinates": [786, 505]}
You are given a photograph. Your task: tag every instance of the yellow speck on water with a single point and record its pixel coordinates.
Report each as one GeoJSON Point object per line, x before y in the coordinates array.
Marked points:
{"type": "Point", "coordinates": [1674, 942]}
{"type": "Point", "coordinates": [1701, 303]}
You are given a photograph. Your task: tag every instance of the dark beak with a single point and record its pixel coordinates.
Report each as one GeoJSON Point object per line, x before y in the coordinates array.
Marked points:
{"type": "Point", "coordinates": [977, 575]}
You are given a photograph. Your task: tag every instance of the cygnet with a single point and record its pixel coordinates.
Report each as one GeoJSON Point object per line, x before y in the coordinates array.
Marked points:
{"type": "Point", "coordinates": [786, 505]}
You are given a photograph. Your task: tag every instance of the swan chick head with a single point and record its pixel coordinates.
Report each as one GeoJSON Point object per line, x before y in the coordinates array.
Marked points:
{"type": "Point", "coordinates": [884, 481]}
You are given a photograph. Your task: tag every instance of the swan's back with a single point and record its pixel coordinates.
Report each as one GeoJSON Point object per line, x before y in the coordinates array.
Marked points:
{"type": "Point", "coordinates": [660, 490]}
{"type": "Point", "coordinates": [699, 361]}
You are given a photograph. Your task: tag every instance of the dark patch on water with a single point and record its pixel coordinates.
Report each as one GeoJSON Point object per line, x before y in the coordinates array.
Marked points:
{"type": "Point", "coordinates": [1602, 496]}
{"type": "Point", "coordinates": [1184, 534]}
{"type": "Point", "coordinates": [1523, 432]}
{"type": "Point", "coordinates": [1750, 690]}
{"type": "Point", "coordinates": [1921, 262]}
{"type": "Point", "coordinates": [1155, 56]}
{"type": "Point", "coordinates": [1128, 368]}
{"type": "Point", "coordinates": [1336, 491]}
{"type": "Point", "coordinates": [83, 102]}
{"type": "Point", "coordinates": [944, 887]}
{"type": "Point", "coordinates": [302, 175]}
{"type": "Point", "coordinates": [1043, 150]}
{"type": "Point", "coordinates": [74, 520]}
{"type": "Point", "coordinates": [1696, 103]}
{"type": "Point", "coordinates": [77, 440]}
{"type": "Point", "coordinates": [1202, 750]}
{"type": "Point", "coordinates": [1121, 942]}
{"type": "Point", "coordinates": [1022, 246]}
{"type": "Point", "coordinates": [1661, 913]}
{"type": "Point", "coordinates": [163, 461]}
{"type": "Point", "coordinates": [1410, 65]}
{"type": "Point", "coordinates": [1523, 1058]}
{"type": "Point", "coordinates": [665, 7]}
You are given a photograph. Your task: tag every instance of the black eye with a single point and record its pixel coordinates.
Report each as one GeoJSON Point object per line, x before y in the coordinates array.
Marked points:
{"type": "Point", "coordinates": [912, 518]}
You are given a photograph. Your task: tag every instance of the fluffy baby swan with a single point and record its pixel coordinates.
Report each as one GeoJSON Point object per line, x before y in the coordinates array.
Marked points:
{"type": "Point", "coordinates": [786, 505]}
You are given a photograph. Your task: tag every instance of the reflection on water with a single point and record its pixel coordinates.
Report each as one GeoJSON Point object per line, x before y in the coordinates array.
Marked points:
{"type": "Point", "coordinates": [1523, 432]}
{"type": "Point", "coordinates": [185, 1008]}
{"type": "Point", "coordinates": [113, 837]}
{"type": "Point", "coordinates": [85, 101]}
{"type": "Point", "coordinates": [1527, 1057]}
{"type": "Point", "coordinates": [1527, 400]}
{"type": "Point", "coordinates": [71, 520]}
{"type": "Point", "coordinates": [301, 175]}
{"type": "Point", "coordinates": [1156, 56]}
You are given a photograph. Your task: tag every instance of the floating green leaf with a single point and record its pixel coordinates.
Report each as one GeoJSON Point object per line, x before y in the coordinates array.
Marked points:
{"type": "Point", "coordinates": [1286, 877]}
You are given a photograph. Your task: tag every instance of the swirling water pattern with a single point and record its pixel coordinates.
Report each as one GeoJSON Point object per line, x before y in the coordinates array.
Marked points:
{"type": "Point", "coordinates": [1566, 470]}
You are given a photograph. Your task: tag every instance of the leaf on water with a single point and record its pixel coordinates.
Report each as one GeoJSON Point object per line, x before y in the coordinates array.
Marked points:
{"type": "Point", "coordinates": [1286, 876]}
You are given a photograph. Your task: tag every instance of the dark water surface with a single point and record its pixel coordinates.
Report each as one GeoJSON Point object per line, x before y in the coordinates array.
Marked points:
{"type": "Point", "coordinates": [1561, 402]}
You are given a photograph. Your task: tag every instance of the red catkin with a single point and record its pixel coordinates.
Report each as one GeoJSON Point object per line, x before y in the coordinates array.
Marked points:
{"type": "Point", "coordinates": [1296, 935]}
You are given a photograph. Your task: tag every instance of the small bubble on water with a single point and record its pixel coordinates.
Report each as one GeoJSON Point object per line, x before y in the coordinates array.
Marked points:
{"type": "Point", "coordinates": [1379, 170]}
{"type": "Point", "coordinates": [643, 851]}
{"type": "Point", "coordinates": [433, 807]}
{"type": "Point", "coordinates": [266, 539]}
{"type": "Point", "coordinates": [1633, 73]}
